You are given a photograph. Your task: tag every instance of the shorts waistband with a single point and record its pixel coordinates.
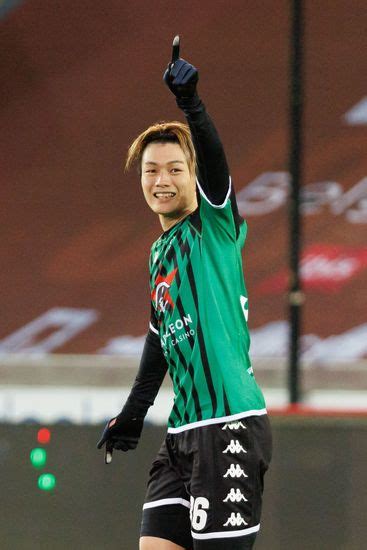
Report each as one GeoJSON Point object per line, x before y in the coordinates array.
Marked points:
{"type": "Point", "coordinates": [219, 420]}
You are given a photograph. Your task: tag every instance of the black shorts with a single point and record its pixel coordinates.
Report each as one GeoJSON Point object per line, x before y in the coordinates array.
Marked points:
{"type": "Point", "coordinates": [205, 486]}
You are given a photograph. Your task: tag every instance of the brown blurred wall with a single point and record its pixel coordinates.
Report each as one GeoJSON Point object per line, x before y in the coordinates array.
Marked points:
{"type": "Point", "coordinates": [81, 79]}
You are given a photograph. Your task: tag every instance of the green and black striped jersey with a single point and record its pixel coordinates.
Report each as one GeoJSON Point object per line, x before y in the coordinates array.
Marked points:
{"type": "Point", "coordinates": [200, 310]}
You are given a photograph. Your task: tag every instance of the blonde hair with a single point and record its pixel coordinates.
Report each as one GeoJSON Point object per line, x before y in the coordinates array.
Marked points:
{"type": "Point", "coordinates": [163, 132]}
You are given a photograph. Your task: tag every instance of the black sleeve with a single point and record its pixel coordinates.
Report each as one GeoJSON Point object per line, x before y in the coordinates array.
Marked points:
{"type": "Point", "coordinates": [213, 173]}
{"type": "Point", "coordinates": [152, 370]}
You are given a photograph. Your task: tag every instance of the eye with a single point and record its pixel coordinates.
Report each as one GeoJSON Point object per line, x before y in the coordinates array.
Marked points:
{"type": "Point", "coordinates": [176, 170]}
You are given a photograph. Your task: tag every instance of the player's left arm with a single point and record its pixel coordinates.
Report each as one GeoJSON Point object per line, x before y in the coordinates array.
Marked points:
{"type": "Point", "coordinates": [182, 77]}
{"type": "Point", "coordinates": [123, 431]}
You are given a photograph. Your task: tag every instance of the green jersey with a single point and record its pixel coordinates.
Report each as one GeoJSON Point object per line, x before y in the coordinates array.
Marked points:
{"type": "Point", "coordinates": [200, 311]}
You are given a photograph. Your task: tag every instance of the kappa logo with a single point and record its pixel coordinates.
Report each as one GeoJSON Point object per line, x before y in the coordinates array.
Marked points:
{"type": "Point", "coordinates": [235, 495]}
{"type": "Point", "coordinates": [235, 471]}
{"type": "Point", "coordinates": [160, 294]}
{"type": "Point", "coordinates": [235, 520]}
{"type": "Point", "coordinates": [234, 447]}
{"type": "Point", "coordinates": [236, 425]}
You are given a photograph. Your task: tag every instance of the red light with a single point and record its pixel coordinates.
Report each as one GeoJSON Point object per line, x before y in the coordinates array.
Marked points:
{"type": "Point", "coordinates": [43, 436]}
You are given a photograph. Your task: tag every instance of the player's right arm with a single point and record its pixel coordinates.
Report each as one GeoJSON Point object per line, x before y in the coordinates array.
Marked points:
{"type": "Point", "coordinates": [123, 431]}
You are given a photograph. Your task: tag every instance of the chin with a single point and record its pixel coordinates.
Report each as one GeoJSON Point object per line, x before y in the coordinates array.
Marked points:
{"type": "Point", "coordinates": [161, 211]}
{"type": "Point", "coordinates": [165, 210]}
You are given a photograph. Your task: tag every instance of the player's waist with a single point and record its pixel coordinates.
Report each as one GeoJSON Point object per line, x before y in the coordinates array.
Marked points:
{"type": "Point", "coordinates": [217, 420]}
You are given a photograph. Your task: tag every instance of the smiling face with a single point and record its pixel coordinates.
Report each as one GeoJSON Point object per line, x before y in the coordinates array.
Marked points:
{"type": "Point", "coordinates": [168, 185]}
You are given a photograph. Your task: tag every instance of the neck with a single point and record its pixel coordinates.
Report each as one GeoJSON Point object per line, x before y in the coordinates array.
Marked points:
{"type": "Point", "coordinates": [169, 221]}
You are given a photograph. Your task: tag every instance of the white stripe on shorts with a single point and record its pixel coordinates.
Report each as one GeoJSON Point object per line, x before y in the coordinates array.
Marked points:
{"type": "Point", "coordinates": [226, 534]}
{"type": "Point", "coordinates": [165, 501]}
{"type": "Point", "coordinates": [219, 420]}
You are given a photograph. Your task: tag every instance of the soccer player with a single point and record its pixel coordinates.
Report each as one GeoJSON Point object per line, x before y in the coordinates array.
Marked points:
{"type": "Point", "coordinates": [205, 486]}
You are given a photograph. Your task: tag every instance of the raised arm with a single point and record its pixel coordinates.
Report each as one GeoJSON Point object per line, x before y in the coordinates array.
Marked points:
{"type": "Point", "coordinates": [181, 77]}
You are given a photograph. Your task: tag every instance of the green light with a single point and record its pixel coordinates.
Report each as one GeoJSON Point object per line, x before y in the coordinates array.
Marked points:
{"type": "Point", "coordinates": [38, 457]}
{"type": "Point", "coordinates": [46, 482]}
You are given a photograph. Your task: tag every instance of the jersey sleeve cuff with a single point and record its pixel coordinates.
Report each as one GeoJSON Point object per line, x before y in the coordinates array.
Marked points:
{"type": "Point", "coordinates": [153, 329]}
{"type": "Point", "coordinates": [211, 203]}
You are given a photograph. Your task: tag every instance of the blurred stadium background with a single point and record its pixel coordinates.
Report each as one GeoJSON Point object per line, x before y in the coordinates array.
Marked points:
{"type": "Point", "coordinates": [79, 81]}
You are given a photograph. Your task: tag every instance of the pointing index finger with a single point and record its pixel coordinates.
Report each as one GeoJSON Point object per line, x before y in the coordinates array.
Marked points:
{"type": "Point", "coordinates": [175, 49]}
{"type": "Point", "coordinates": [108, 453]}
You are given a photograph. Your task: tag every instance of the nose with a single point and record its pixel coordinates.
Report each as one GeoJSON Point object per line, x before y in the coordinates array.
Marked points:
{"type": "Point", "coordinates": [162, 178]}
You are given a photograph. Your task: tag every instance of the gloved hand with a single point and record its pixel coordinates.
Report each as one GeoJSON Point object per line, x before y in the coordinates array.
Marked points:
{"type": "Point", "coordinates": [180, 76]}
{"type": "Point", "coordinates": [121, 432]}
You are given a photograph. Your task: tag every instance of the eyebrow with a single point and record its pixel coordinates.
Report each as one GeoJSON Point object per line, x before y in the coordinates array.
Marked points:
{"type": "Point", "coordinates": [169, 162]}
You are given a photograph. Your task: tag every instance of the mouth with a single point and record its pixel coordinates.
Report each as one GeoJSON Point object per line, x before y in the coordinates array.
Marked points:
{"type": "Point", "coordinates": [164, 195]}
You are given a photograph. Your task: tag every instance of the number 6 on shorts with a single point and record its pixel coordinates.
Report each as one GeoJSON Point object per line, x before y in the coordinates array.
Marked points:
{"type": "Point", "coordinates": [198, 515]}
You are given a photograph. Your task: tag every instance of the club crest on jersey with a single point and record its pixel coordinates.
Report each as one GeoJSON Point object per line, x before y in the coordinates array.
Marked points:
{"type": "Point", "coordinates": [160, 294]}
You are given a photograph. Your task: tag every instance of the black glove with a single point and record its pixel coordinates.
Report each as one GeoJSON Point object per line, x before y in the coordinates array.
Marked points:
{"type": "Point", "coordinates": [121, 432]}
{"type": "Point", "coordinates": [180, 76]}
